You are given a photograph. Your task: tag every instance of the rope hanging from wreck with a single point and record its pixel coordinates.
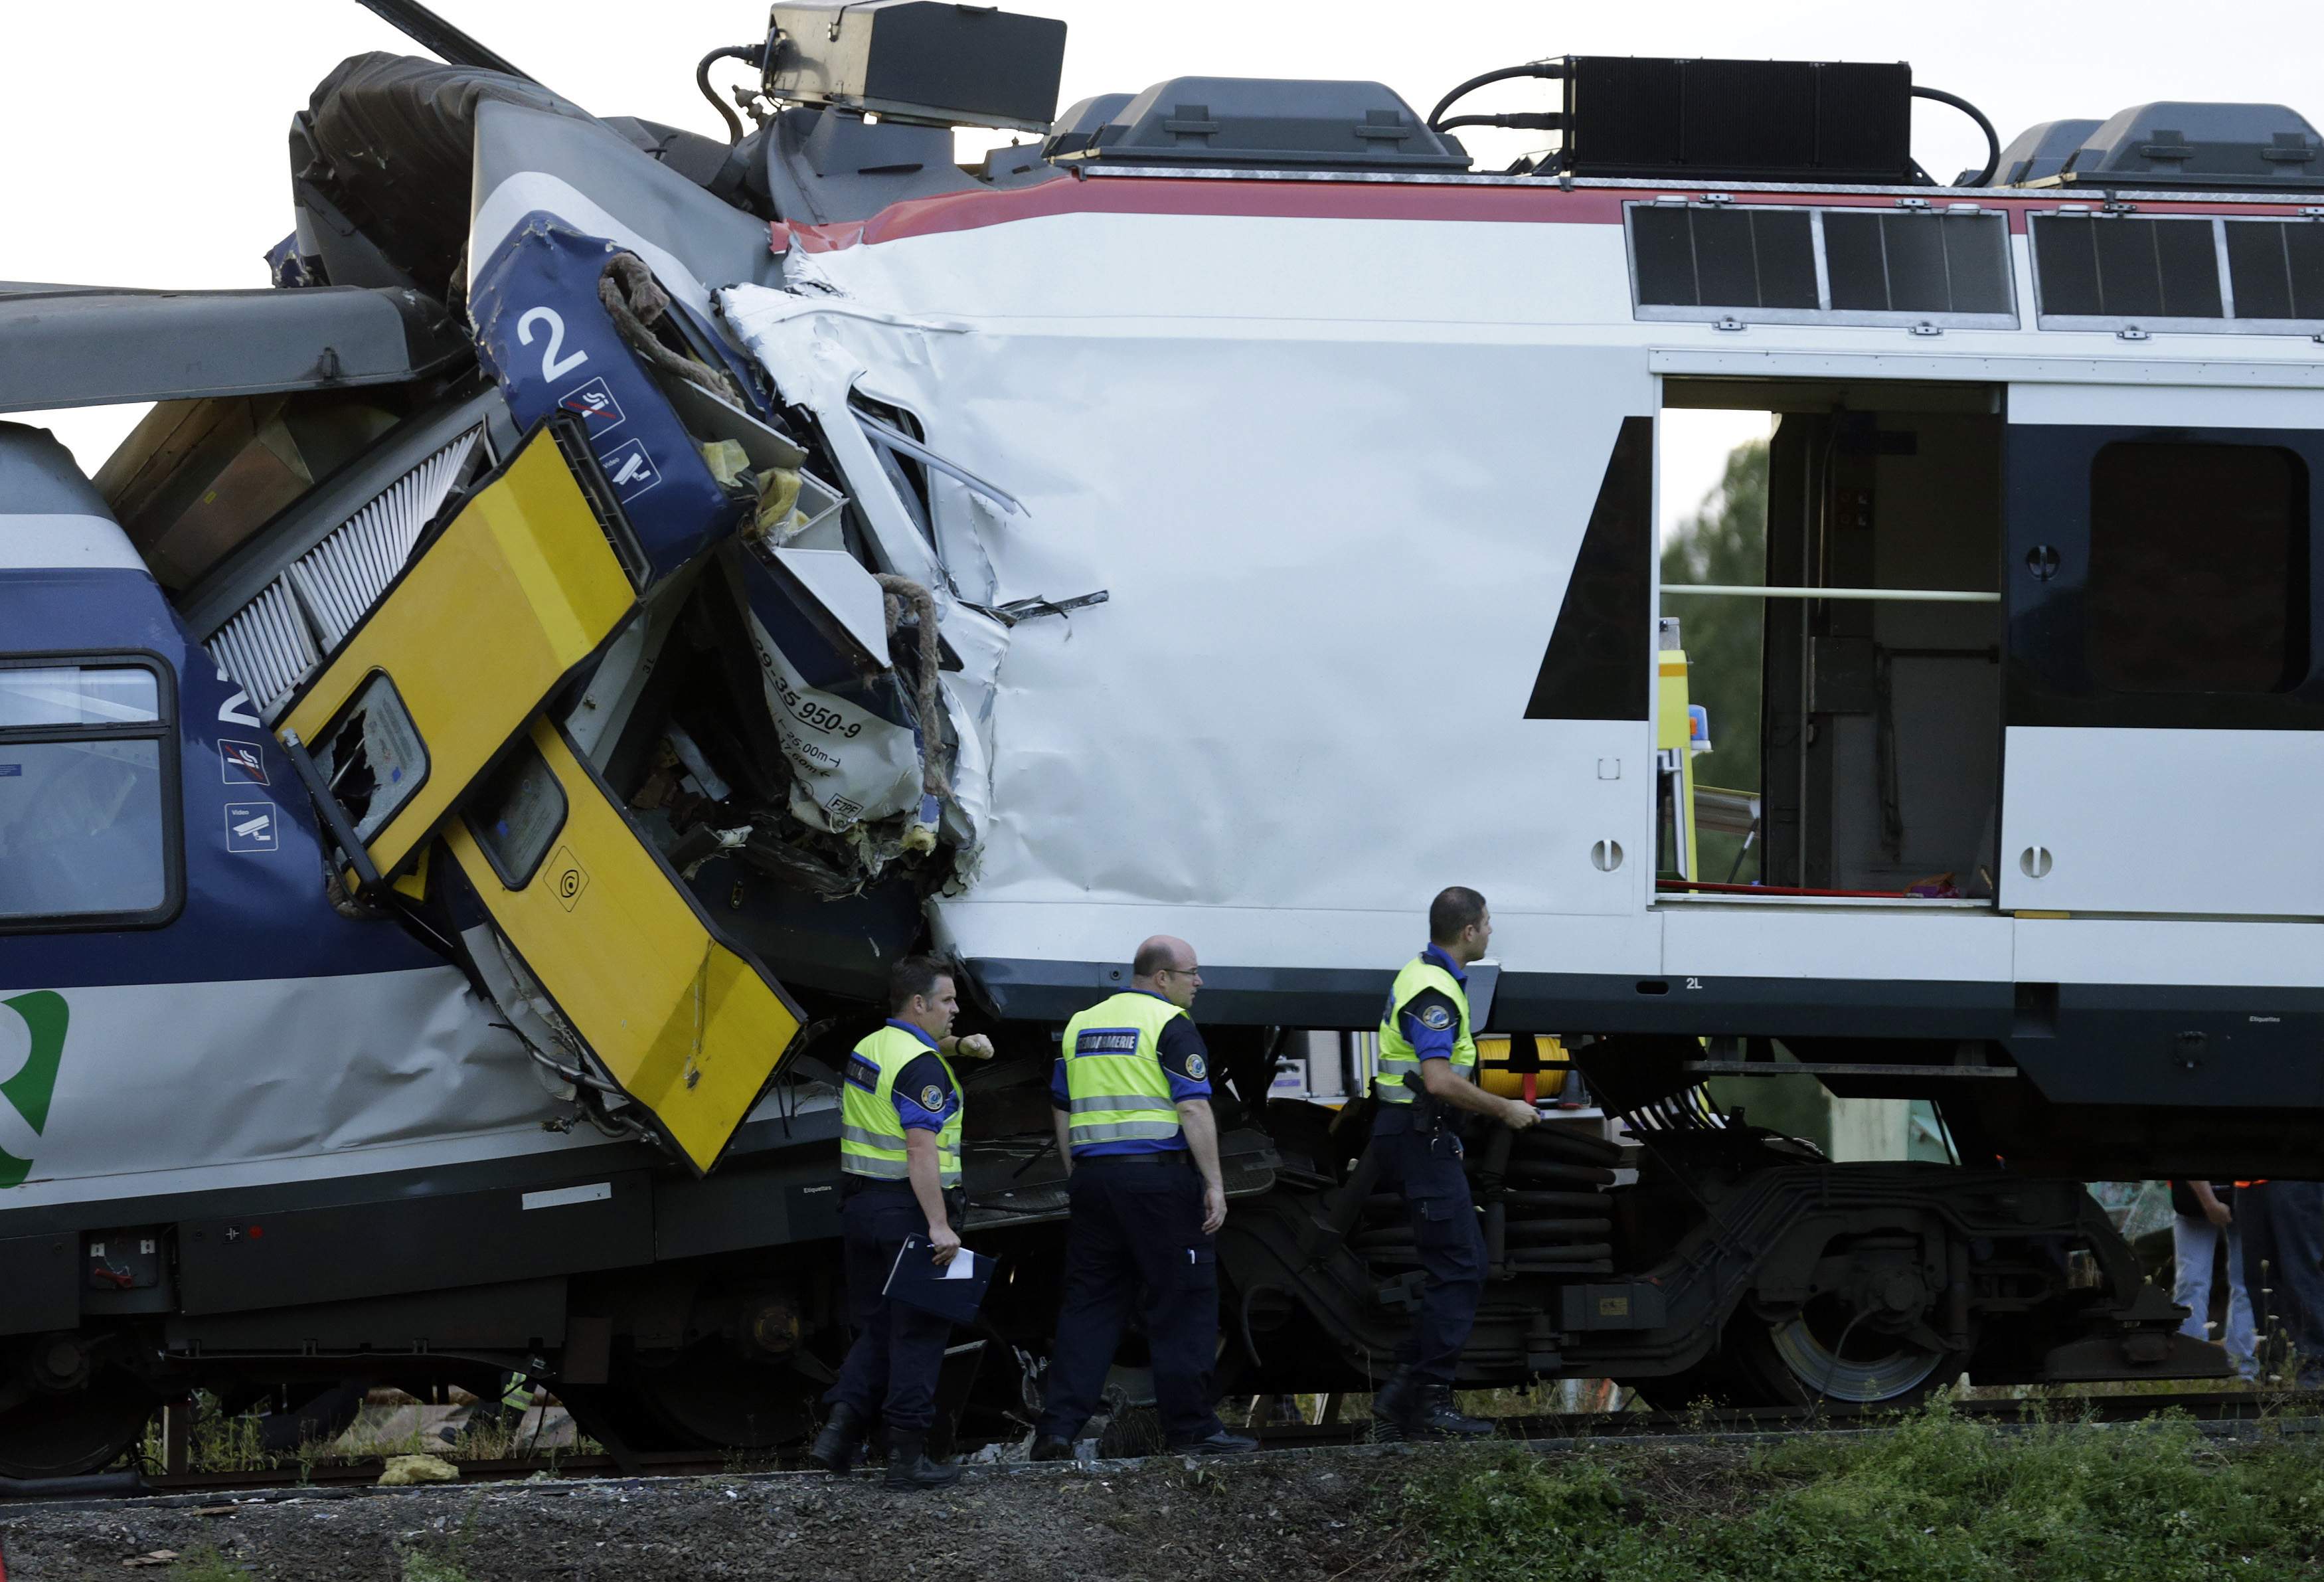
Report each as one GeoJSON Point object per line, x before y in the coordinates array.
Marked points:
{"type": "Point", "coordinates": [903, 591]}
{"type": "Point", "coordinates": [635, 301]}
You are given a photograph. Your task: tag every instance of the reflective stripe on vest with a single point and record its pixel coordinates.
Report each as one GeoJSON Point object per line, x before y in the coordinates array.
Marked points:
{"type": "Point", "coordinates": [871, 1132]}
{"type": "Point", "coordinates": [1115, 1087]}
{"type": "Point", "coordinates": [1397, 1059]}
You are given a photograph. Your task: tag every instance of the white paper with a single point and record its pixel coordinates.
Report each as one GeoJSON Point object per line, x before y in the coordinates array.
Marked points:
{"type": "Point", "coordinates": [963, 1266]}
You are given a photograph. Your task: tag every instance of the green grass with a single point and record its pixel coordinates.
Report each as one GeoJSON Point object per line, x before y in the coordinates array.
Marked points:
{"type": "Point", "coordinates": [205, 1564]}
{"type": "Point", "coordinates": [1936, 1499]}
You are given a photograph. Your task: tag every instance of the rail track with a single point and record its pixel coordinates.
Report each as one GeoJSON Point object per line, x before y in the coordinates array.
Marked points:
{"type": "Point", "coordinates": [2227, 1414]}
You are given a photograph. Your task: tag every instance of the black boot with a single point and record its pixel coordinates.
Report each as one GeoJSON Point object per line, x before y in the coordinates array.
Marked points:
{"type": "Point", "coordinates": [842, 1438]}
{"type": "Point", "coordinates": [1392, 1408]}
{"type": "Point", "coordinates": [1051, 1447]}
{"type": "Point", "coordinates": [908, 1467]}
{"type": "Point", "coordinates": [1434, 1417]}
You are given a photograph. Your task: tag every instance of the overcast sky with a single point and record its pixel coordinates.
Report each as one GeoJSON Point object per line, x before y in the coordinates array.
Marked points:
{"type": "Point", "coordinates": [145, 137]}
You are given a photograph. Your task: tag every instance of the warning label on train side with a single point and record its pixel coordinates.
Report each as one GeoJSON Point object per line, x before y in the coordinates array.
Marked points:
{"type": "Point", "coordinates": [566, 877]}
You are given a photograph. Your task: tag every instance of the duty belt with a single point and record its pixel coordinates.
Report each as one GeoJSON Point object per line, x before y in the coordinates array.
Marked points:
{"type": "Point", "coordinates": [1172, 1156]}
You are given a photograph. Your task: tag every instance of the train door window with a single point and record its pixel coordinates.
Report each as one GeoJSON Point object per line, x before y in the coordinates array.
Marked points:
{"type": "Point", "coordinates": [516, 814]}
{"type": "Point", "coordinates": [87, 803]}
{"type": "Point", "coordinates": [2198, 568]}
{"type": "Point", "coordinates": [372, 757]}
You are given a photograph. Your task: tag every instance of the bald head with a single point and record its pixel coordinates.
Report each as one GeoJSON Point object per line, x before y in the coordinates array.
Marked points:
{"type": "Point", "coordinates": [1166, 965]}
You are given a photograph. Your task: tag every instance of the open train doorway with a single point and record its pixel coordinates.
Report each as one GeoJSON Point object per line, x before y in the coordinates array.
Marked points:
{"type": "Point", "coordinates": [1831, 617]}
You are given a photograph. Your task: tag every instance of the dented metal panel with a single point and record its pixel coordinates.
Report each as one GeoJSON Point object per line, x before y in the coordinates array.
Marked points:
{"type": "Point", "coordinates": [522, 587]}
{"type": "Point", "coordinates": [684, 1024]}
{"type": "Point", "coordinates": [543, 332]}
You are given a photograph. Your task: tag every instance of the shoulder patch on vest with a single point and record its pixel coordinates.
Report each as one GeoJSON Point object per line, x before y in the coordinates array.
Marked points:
{"type": "Point", "coordinates": [932, 1098]}
{"type": "Point", "coordinates": [1437, 1017]}
{"type": "Point", "coordinates": [1196, 1068]}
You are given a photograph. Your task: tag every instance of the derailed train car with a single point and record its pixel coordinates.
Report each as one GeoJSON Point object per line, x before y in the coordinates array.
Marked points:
{"type": "Point", "coordinates": [467, 760]}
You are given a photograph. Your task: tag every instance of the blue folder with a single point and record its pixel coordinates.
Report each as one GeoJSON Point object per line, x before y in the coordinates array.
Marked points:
{"type": "Point", "coordinates": [954, 1291]}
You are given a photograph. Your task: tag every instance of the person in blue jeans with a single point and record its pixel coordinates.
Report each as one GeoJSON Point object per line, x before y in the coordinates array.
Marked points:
{"type": "Point", "coordinates": [2204, 1217]}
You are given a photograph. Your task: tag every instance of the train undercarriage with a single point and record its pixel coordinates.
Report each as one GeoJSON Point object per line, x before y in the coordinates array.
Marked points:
{"type": "Point", "coordinates": [1698, 1257]}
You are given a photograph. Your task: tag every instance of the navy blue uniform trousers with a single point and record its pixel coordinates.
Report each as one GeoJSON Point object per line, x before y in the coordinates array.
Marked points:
{"type": "Point", "coordinates": [1136, 1232]}
{"type": "Point", "coordinates": [1425, 1168]}
{"type": "Point", "coordinates": [898, 1349]}
{"type": "Point", "coordinates": [2283, 1226]}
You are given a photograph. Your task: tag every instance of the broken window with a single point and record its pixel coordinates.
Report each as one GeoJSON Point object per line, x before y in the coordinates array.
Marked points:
{"type": "Point", "coordinates": [87, 830]}
{"type": "Point", "coordinates": [372, 757]}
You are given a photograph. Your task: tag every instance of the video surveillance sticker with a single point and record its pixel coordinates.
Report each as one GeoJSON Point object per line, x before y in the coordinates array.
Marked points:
{"type": "Point", "coordinates": [629, 469]}
{"type": "Point", "coordinates": [253, 827]}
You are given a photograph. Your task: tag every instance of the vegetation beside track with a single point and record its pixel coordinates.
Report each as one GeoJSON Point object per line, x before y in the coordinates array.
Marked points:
{"type": "Point", "coordinates": [1936, 1498]}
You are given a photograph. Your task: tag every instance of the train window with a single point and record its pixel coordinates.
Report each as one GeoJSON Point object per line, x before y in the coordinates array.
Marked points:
{"type": "Point", "coordinates": [1919, 262]}
{"type": "Point", "coordinates": [2121, 267]}
{"type": "Point", "coordinates": [515, 815]}
{"type": "Point", "coordinates": [2198, 568]}
{"type": "Point", "coordinates": [65, 695]}
{"type": "Point", "coordinates": [1715, 260]}
{"type": "Point", "coordinates": [2276, 268]}
{"type": "Point", "coordinates": [1720, 258]}
{"type": "Point", "coordinates": [372, 757]}
{"type": "Point", "coordinates": [88, 768]}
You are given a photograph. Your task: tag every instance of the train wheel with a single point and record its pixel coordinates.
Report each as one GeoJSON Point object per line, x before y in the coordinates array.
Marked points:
{"type": "Point", "coordinates": [66, 1432]}
{"type": "Point", "coordinates": [1824, 1355]}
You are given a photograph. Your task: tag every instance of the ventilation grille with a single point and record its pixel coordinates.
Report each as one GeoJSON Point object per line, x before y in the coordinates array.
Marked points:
{"type": "Point", "coordinates": [273, 641]}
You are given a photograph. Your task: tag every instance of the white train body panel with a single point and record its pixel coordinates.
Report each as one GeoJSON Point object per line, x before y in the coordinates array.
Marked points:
{"type": "Point", "coordinates": [1331, 448]}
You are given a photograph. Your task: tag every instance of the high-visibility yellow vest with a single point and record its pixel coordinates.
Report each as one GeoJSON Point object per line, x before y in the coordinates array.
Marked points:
{"type": "Point", "coordinates": [871, 1132]}
{"type": "Point", "coordinates": [1397, 1059]}
{"type": "Point", "coordinates": [1114, 1080]}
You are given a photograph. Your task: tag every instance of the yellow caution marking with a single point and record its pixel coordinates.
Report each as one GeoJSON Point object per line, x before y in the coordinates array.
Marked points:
{"type": "Point", "coordinates": [684, 1025]}
{"type": "Point", "coordinates": [520, 588]}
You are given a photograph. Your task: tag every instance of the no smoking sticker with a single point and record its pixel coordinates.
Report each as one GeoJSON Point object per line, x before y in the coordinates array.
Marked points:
{"type": "Point", "coordinates": [240, 763]}
{"type": "Point", "coordinates": [566, 877]}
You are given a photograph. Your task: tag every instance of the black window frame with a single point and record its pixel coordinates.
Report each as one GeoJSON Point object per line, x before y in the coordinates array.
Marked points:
{"type": "Point", "coordinates": [1824, 312]}
{"type": "Point", "coordinates": [163, 729]}
{"type": "Point", "coordinates": [470, 811]}
{"type": "Point", "coordinates": [2047, 526]}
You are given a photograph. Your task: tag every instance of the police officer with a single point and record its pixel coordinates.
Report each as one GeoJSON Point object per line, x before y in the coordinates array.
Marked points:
{"type": "Point", "coordinates": [1132, 1095]}
{"type": "Point", "coordinates": [899, 1176]}
{"type": "Point", "coordinates": [1425, 1036]}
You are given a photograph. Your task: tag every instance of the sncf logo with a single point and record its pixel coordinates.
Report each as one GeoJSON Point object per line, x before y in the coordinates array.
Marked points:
{"type": "Point", "coordinates": [43, 1015]}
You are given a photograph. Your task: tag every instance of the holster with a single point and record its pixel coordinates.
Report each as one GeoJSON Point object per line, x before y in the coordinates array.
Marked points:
{"type": "Point", "coordinates": [1430, 1114]}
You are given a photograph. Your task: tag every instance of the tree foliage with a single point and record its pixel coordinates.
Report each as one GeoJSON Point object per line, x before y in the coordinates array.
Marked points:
{"type": "Point", "coordinates": [1725, 542]}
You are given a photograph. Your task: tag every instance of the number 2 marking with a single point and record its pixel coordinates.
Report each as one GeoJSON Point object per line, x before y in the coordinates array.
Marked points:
{"type": "Point", "coordinates": [235, 710]}
{"type": "Point", "coordinates": [552, 366]}
{"type": "Point", "coordinates": [1694, 982]}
